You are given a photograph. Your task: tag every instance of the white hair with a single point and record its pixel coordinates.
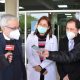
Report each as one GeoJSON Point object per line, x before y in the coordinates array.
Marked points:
{"type": "Point", "coordinates": [5, 18]}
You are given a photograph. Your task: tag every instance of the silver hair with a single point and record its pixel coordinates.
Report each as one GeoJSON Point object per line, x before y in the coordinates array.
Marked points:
{"type": "Point", "coordinates": [5, 18]}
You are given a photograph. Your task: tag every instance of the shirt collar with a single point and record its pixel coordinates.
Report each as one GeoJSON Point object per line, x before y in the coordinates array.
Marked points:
{"type": "Point", "coordinates": [7, 38]}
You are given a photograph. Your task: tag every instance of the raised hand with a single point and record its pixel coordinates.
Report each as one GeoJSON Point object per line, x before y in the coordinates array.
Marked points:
{"type": "Point", "coordinates": [45, 54]}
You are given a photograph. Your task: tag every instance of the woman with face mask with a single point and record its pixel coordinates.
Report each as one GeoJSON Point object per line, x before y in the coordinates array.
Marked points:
{"type": "Point", "coordinates": [38, 68]}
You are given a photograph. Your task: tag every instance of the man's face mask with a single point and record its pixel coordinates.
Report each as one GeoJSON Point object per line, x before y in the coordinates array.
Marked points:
{"type": "Point", "coordinates": [70, 35]}
{"type": "Point", "coordinates": [14, 34]}
{"type": "Point", "coordinates": [79, 31]}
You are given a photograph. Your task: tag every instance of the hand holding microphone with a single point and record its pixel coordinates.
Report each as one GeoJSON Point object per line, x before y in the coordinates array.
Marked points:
{"type": "Point", "coordinates": [9, 54]}
{"type": "Point", "coordinates": [9, 57]}
{"type": "Point", "coordinates": [45, 53]}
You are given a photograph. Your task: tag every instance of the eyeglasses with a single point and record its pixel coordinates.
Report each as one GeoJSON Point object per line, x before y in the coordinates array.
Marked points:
{"type": "Point", "coordinates": [13, 28]}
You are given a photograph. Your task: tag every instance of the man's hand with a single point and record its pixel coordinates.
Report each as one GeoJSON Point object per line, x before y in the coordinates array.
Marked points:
{"type": "Point", "coordinates": [9, 56]}
{"type": "Point", "coordinates": [37, 68]}
{"type": "Point", "coordinates": [66, 77]}
{"type": "Point", "coordinates": [45, 53]}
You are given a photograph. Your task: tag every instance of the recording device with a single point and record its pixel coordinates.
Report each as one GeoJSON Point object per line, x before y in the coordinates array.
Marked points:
{"type": "Point", "coordinates": [3, 61]}
{"type": "Point", "coordinates": [9, 48]}
{"type": "Point", "coordinates": [37, 48]}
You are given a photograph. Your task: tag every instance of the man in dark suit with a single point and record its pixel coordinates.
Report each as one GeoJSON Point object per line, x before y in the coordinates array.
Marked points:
{"type": "Point", "coordinates": [11, 50]}
{"type": "Point", "coordinates": [70, 69]}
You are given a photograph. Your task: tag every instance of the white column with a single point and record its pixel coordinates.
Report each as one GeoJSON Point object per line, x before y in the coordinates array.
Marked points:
{"type": "Point", "coordinates": [12, 7]}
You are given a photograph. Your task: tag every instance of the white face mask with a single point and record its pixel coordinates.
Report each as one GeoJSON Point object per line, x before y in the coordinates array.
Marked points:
{"type": "Point", "coordinates": [70, 35]}
{"type": "Point", "coordinates": [79, 31]}
{"type": "Point", "coordinates": [14, 34]}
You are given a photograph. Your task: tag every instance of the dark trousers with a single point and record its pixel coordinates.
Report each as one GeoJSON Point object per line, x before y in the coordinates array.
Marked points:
{"type": "Point", "coordinates": [41, 77]}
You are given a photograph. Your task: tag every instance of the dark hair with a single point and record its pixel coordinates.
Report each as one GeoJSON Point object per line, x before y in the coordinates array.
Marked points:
{"type": "Point", "coordinates": [77, 22]}
{"type": "Point", "coordinates": [49, 31]}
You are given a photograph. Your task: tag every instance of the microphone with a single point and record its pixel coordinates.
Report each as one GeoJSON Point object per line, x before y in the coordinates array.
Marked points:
{"type": "Point", "coordinates": [9, 48]}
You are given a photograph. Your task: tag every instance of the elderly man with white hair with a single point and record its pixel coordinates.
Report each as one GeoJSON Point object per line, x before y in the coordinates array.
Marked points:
{"type": "Point", "coordinates": [10, 49]}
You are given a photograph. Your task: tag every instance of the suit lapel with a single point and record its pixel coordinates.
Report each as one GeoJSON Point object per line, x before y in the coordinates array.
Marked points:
{"type": "Point", "coordinates": [2, 40]}
{"type": "Point", "coordinates": [66, 43]}
{"type": "Point", "coordinates": [77, 39]}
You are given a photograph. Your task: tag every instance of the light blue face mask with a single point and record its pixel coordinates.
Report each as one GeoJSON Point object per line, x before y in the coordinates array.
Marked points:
{"type": "Point", "coordinates": [41, 29]}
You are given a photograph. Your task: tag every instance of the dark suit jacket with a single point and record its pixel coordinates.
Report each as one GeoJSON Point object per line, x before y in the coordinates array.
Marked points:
{"type": "Point", "coordinates": [16, 69]}
{"type": "Point", "coordinates": [72, 69]}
